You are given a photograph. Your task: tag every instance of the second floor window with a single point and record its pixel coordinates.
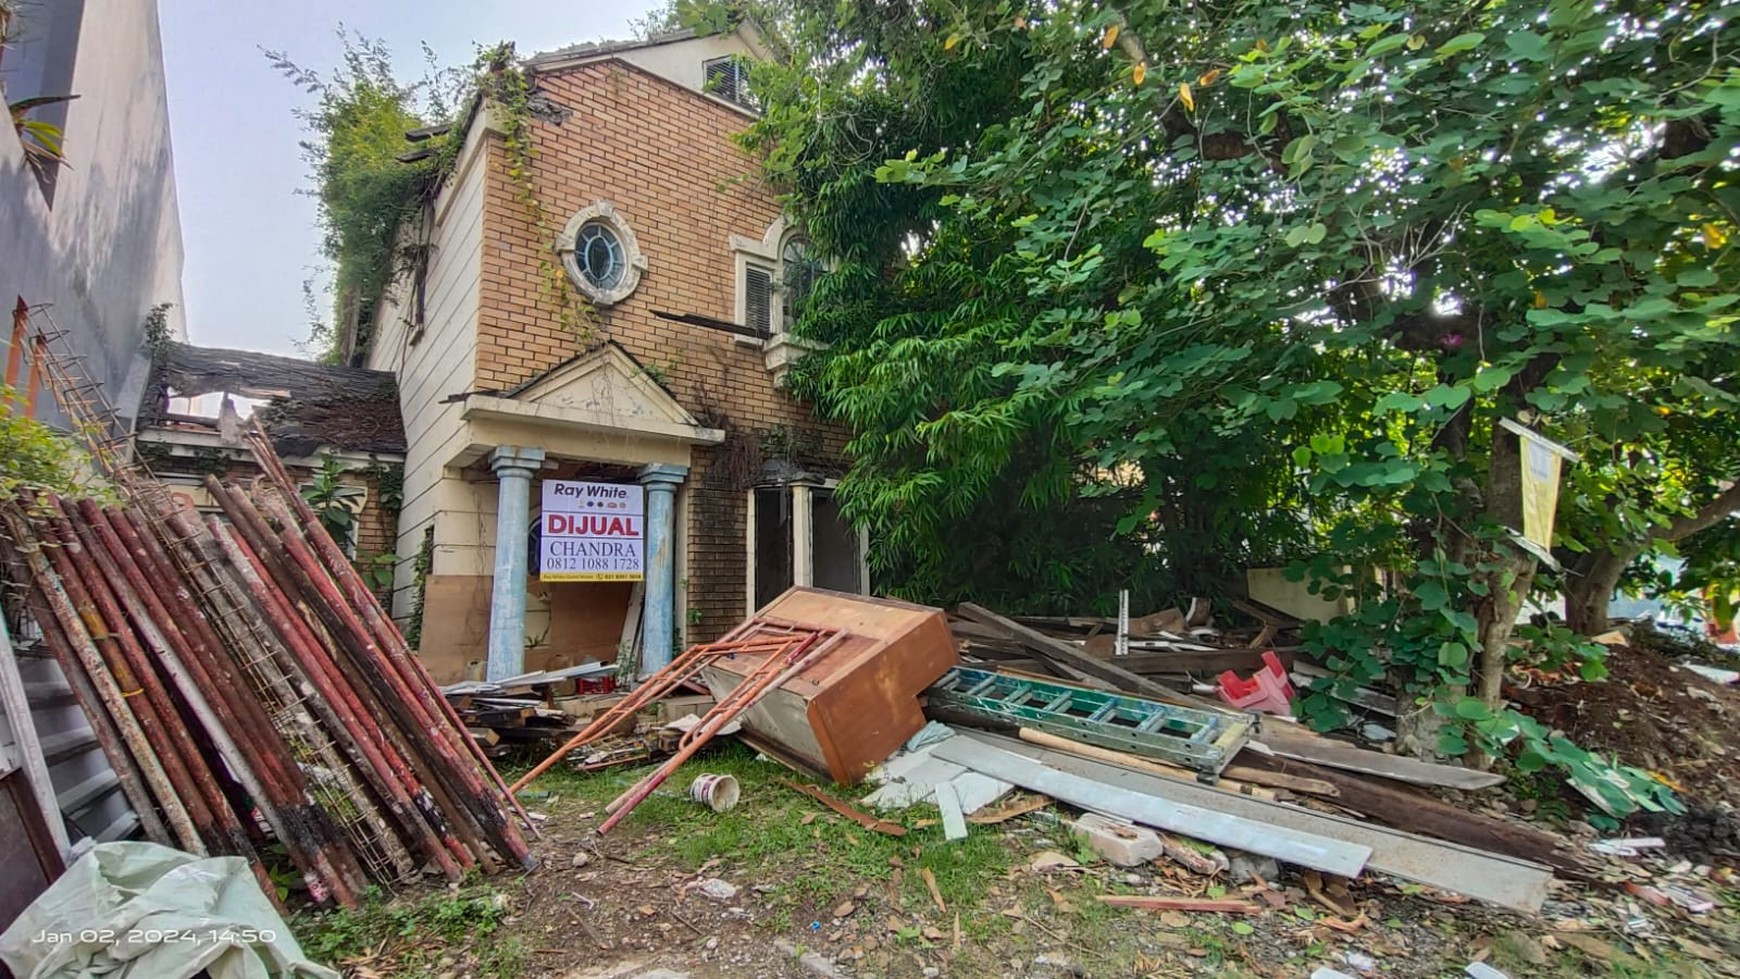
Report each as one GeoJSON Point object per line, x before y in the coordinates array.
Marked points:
{"type": "Point", "coordinates": [728, 78]}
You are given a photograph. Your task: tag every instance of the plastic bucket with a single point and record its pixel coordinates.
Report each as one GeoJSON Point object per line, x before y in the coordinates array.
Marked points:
{"type": "Point", "coordinates": [716, 792]}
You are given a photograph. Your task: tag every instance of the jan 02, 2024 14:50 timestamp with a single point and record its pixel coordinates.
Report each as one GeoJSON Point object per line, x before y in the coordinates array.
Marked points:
{"type": "Point", "coordinates": [153, 936]}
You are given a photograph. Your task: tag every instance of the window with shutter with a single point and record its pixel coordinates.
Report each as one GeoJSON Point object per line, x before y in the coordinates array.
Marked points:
{"type": "Point", "coordinates": [728, 78]}
{"type": "Point", "coordinates": [758, 299]}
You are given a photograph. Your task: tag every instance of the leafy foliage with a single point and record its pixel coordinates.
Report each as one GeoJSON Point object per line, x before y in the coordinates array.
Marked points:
{"type": "Point", "coordinates": [35, 457]}
{"type": "Point", "coordinates": [330, 498]}
{"type": "Point", "coordinates": [40, 138]}
{"type": "Point", "coordinates": [356, 132]}
{"type": "Point", "coordinates": [1261, 280]}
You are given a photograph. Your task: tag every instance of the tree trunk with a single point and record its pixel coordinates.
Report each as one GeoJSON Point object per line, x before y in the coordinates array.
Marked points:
{"type": "Point", "coordinates": [1589, 590]}
{"type": "Point", "coordinates": [1497, 615]}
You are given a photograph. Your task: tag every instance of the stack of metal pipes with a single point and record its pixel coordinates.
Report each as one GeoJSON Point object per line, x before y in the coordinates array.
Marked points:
{"type": "Point", "coordinates": [250, 692]}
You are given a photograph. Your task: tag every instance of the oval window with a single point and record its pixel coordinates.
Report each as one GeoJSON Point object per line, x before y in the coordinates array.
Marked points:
{"type": "Point", "coordinates": [599, 253]}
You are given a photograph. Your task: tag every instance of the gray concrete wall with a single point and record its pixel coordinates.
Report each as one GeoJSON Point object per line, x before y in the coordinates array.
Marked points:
{"type": "Point", "coordinates": [91, 258]}
{"type": "Point", "coordinates": [107, 247]}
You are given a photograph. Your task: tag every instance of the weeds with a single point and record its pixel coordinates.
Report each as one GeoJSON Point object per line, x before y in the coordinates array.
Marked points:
{"type": "Point", "coordinates": [462, 924]}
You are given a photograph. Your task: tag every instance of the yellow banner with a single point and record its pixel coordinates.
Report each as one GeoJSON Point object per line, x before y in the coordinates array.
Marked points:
{"type": "Point", "coordinates": [1540, 488]}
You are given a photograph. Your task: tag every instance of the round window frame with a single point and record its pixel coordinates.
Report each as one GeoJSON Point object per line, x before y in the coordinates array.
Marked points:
{"type": "Point", "coordinates": [634, 262]}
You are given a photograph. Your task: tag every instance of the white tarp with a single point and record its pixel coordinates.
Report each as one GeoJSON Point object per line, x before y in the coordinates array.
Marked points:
{"type": "Point", "coordinates": [143, 911]}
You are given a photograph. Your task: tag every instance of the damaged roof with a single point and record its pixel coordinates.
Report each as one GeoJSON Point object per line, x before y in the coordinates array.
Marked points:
{"type": "Point", "coordinates": [311, 406]}
{"type": "Point", "coordinates": [598, 49]}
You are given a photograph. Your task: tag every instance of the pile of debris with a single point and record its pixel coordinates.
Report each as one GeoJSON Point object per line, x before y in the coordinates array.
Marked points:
{"type": "Point", "coordinates": [248, 690]}
{"type": "Point", "coordinates": [836, 686]}
{"type": "Point", "coordinates": [523, 710]}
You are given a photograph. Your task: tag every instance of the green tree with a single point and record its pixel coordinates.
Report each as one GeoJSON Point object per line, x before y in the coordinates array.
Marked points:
{"type": "Point", "coordinates": [1270, 276]}
{"type": "Point", "coordinates": [355, 136]}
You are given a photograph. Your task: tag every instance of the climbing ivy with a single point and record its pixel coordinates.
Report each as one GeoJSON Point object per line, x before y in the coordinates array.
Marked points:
{"type": "Point", "coordinates": [504, 82]}
{"type": "Point", "coordinates": [367, 195]}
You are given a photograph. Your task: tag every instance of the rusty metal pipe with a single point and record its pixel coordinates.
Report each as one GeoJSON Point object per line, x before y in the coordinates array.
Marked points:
{"type": "Point", "coordinates": [307, 824]}
{"type": "Point", "coordinates": [250, 752]}
{"type": "Point", "coordinates": [157, 708]}
{"type": "Point", "coordinates": [770, 673]}
{"type": "Point", "coordinates": [296, 578]}
{"type": "Point", "coordinates": [468, 786]}
{"type": "Point", "coordinates": [109, 738]}
{"type": "Point", "coordinates": [399, 655]}
{"type": "Point", "coordinates": [674, 674]}
{"type": "Point", "coordinates": [373, 753]}
{"type": "Point", "coordinates": [112, 679]}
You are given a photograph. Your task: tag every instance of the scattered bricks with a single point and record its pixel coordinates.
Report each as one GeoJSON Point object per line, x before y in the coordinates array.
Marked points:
{"type": "Point", "coordinates": [1121, 843]}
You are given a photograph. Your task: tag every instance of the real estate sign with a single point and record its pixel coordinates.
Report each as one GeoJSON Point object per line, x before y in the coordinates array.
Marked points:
{"type": "Point", "coordinates": [592, 532]}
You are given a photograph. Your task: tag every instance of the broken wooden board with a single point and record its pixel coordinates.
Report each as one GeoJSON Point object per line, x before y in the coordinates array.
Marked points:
{"type": "Point", "coordinates": [1302, 746]}
{"type": "Point", "coordinates": [1128, 760]}
{"type": "Point", "coordinates": [997, 758]}
{"type": "Point", "coordinates": [1400, 806]}
{"type": "Point", "coordinates": [858, 816]}
{"type": "Point", "coordinates": [1503, 880]}
{"type": "Point", "coordinates": [1069, 657]}
{"type": "Point", "coordinates": [1242, 659]}
{"type": "Point", "coordinates": [1177, 903]}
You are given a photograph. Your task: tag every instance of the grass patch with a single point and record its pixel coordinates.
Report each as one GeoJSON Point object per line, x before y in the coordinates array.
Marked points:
{"type": "Point", "coordinates": [764, 840]}
{"type": "Point", "coordinates": [417, 934]}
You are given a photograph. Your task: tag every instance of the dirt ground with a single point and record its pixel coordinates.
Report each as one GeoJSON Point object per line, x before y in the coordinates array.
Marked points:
{"type": "Point", "coordinates": [781, 887]}
{"type": "Point", "coordinates": [1653, 714]}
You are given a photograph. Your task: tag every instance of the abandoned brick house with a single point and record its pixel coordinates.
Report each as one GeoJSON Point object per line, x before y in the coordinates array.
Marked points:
{"type": "Point", "coordinates": [337, 428]}
{"type": "Point", "coordinates": [664, 381]}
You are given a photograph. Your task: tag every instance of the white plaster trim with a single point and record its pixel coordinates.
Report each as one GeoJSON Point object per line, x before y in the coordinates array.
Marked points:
{"type": "Point", "coordinates": [803, 537]}
{"type": "Point", "coordinates": [482, 406]}
{"type": "Point", "coordinates": [602, 212]}
{"type": "Point", "coordinates": [611, 358]}
{"type": "Point", "coordinates": [749, 551]}
{"type": "Point", "coordinates": [469, 154]}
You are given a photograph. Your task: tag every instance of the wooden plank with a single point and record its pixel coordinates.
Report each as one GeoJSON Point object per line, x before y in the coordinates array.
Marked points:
{"type": "Point", "coordinates": [1300, 746]}
{"type": "Point", "coordinates": [1402, 807]}
{"type": "Point", "coordinates": [1076, 660]}
{"type": "Point", "coordinates": [1505, 880]}
{"type": "Point", "coordinates": [1278, 780]}
{"type": "Point", "coordinates": [1266, 614]}
{"type": "Point", "coordinates": [1242, 659]}
{"type": "Point", "coordinates": [858, 816]}
{"type": "Point", "coordinates": [1305, 849]}
{"type": "Point", "coordinates": [1359, 697]}
{"type": "Point", "coordinates": [1128, 760]}
{"type": "Point", "coordinates": [1176, 903]}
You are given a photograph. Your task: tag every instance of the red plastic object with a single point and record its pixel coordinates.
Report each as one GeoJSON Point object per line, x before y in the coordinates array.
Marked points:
{"type": "Point", "coordinates": [603, 684]}
{"type": "Point", "coordinates": [1267, 690]}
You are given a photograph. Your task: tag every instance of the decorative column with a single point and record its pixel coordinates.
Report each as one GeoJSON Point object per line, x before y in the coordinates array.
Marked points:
{"type": "Point", "coordinates": [658, 626]}
{"type": "Point", "coordinates": [514, 466]}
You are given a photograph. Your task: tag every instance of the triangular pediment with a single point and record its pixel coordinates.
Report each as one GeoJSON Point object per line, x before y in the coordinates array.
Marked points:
{"type": "Point", "coordinates": [607, 384]}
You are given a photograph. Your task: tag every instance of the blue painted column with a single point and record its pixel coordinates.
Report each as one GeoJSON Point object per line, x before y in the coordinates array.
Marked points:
{"type": "Point", "coordinates": [514, 466]}
{"type": "Point", "coordinates": [658, 615]}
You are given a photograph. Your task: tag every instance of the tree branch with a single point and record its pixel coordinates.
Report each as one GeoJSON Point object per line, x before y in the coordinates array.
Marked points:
{"type": "Point", "coordinates": [1707, 516]}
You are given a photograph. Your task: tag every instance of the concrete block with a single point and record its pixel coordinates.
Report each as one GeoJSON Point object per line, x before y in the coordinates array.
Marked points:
{"type": "Point", "coordinates": [1123, 844]}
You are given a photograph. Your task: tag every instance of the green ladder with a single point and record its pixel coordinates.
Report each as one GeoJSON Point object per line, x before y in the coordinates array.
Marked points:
{"type": "Point", "coordinates": [1197, 739]}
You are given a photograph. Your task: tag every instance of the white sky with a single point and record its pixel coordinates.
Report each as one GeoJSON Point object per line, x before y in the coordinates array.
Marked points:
{"type": "Point", "coordinates": [251, 238]}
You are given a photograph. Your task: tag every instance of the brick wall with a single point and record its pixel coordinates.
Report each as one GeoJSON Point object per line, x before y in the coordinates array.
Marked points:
{"type": "Point", "coordinates": [377, 530]}
{"type": "Point", "coordinates": [664, 156]}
